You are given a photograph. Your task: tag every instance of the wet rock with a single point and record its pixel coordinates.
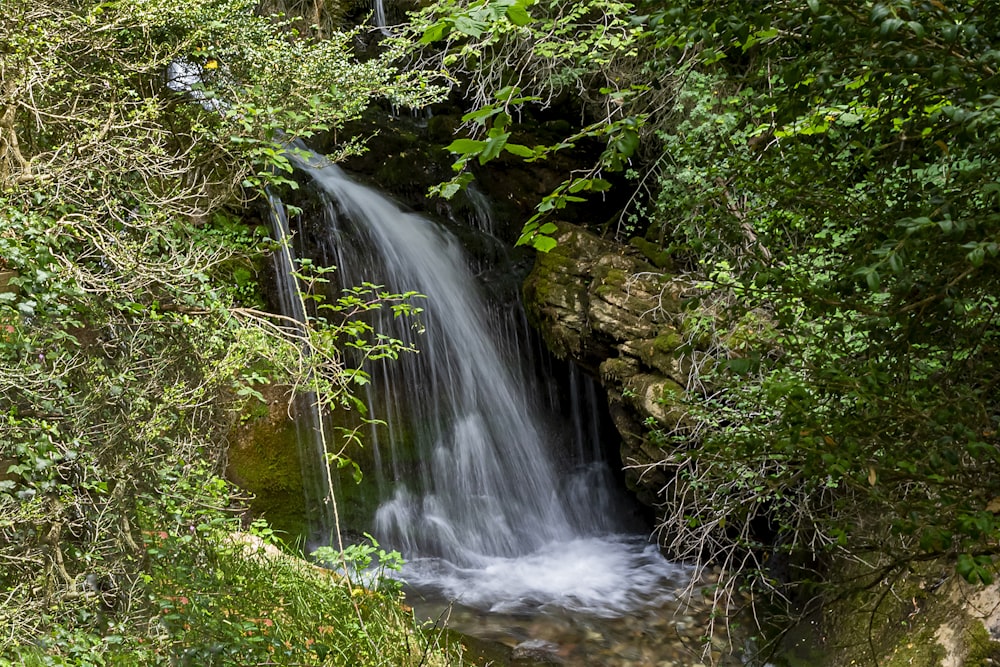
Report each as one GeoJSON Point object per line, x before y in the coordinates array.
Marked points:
{"type": "Point", "coordinates": [536, 652]}
{"type": "Point", "coordinates": [611, 310]}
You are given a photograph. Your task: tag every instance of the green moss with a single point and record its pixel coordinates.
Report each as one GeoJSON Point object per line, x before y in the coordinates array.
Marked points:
{"type": "Point", "coordinates": [357, 501]}
{"type": "Point", "coordinates": [919, 650]}
{"type": "Point", "coordinates": [551, 292]}
{"type": "Point", "coordinates": [654, 252]}
{"type": "Point", "coordinates": [983, 651]}
{"type": "Point", "coordinates": [561, 259]}
{"type": "Point", "coordinates": [605, 290]}
{"type": "Point", "coordinates": [266, 463]}
{"type": "Point", "coordinates": [617, 369]}
{"type": "Point", "coordinates": [614, 277]}
{"type": "Point", "coordinates": [671, 393]}
{"type": "Point", "coordinates": [668, 342]}
{"type": "Point", "coordinates": [921, 622]}
{"type": "Point", "coordinates": [253, 410]}
{"type": "Point", "coordinates": [898, 636]}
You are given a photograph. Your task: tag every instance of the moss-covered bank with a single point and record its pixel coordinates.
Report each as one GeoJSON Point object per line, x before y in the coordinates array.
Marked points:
{"type": "Point", "coordinates": [264, 461]}
{"type": "Point", "coordinates": [926, 617]}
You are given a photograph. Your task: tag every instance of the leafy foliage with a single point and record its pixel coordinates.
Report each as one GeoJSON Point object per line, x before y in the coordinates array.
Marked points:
{"type": "Point", "coordinates": [130, 329]}
{"type": "Point", "coordinates": [225, 597]}
{"type": "Point", "coordinates": [508, 56]}
{"type": "Point", "coordinates": [831, 167]}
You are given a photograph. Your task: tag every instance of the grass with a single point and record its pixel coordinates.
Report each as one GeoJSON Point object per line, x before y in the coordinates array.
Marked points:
{"type": "Point", "coordinates": [207, 596]}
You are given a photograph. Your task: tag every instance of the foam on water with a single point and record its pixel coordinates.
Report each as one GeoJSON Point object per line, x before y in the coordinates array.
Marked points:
{"type": "Point", "coordinates": [599, 576]}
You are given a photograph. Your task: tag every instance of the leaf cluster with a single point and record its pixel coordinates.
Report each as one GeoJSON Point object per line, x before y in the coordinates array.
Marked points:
{"type": "Point", "coordinates": [513, 57]}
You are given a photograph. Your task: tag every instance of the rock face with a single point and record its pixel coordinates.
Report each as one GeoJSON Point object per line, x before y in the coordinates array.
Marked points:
{"type": "Point", "coordinates": [609, 309]}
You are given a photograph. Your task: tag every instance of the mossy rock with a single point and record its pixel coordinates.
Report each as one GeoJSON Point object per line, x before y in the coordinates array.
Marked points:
{"type": "Point", "coordinates": [611, 277]}
{"type": "Point", "coordinates": [617, 370]}
{"type": "Point", "coordinates": [653, 252]}
{"type": "Point", "coordinates": [983, 649]}
{"type": "Point", "coordinates": [265, 462]}
{"type": "Point", "coordinates": [668, 341]}
{"type": "Point", "coordinates": [929, 618]}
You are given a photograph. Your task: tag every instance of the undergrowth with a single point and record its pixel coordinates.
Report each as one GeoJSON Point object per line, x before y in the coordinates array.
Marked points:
{"type": "Point", "coordinates": [213, 594]}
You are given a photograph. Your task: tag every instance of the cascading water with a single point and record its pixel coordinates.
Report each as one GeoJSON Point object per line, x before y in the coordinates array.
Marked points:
{"type": "Point", "coordinates": [475, 490]}
{"type": "Point", "coordinates": [379, 16]}
{"type": "Point", "coordinates": [472, 490]}
{"type": "Point", "coordinates": [308, 420]}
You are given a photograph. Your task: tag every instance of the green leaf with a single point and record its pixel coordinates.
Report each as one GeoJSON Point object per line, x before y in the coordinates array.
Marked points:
{"type": "Point", "coordinates": [547, 203]}
{"type": "Point", "coordinates": [519, 150]}
{"type": "Point", "coordinates": [469, 26]}
{"type": "Point", "coordinates": [740, 365]}
{"type": "Point", "coordinates": [435, 32]}
{"type": "Point", "coordinates": [976, 256]}
{"type": "Point", "coordinates": [917, 28]}
{"type": "Point", "coordinates": [991, 190]}
{"type": "Point", "coordinates": [466, 146]}
{"type": "Point", "coordinates": [895, 262]}
{"type": "Point", "coordinates": [501, 121]}
{"type": "Point", "coordinates": [518, 15]}
{"type": "Point", "coordinates": [493, 147]}
{"type": "Point", "coordinates": [871, 276]}
{"type": "Point", "coordinates": [974, 570]}
{"type": "Point", "coordinates": [543, 243]}
{"type": "Point", "coordinates": [480, 115]}
{"type": "Point", "coordinates": [627, 142]}
{"type": "Point", "coordinates": [450, 190]}
{"type": "Point", "coordinates": [529, 226]}
{"type": "Point", "coordinates": [506, 93]}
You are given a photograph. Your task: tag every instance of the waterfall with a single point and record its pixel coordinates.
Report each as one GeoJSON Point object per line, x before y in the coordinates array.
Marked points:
{"type": "Point", "coordinates": [487, 503]}
{"type": "Point", "coordinates": [308, 420]}
{"type": "Point", "coordinates": [482, 216]}
{"type": "Point", "coordinates": [379, 16]}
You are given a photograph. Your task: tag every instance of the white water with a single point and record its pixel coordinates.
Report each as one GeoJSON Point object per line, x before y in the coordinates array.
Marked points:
{"type": "Point", "coordinates": [379, 16]}
{"type": "Point", "coordinates": [606, 576]}
{"type": "Point", "coordinates": [308, 425]}
{"type": "Point", "coordinates": [488, 506]}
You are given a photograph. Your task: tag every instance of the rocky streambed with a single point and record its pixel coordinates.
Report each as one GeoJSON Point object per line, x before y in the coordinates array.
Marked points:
{"type": "Point", "coordinates": [671, 634]}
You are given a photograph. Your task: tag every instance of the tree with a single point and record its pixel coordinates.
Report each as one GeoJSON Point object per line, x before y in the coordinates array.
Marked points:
{"type": "Point", "coordinates": [512, 56]}
{"type": "Point", "coordinates": [844, 169]}
{"type": "Point", "coordinates": [131, 333]}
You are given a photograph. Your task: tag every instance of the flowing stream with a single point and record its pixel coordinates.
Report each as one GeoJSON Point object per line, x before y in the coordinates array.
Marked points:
{"type": "Point", "coordinates": [498, 505]}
